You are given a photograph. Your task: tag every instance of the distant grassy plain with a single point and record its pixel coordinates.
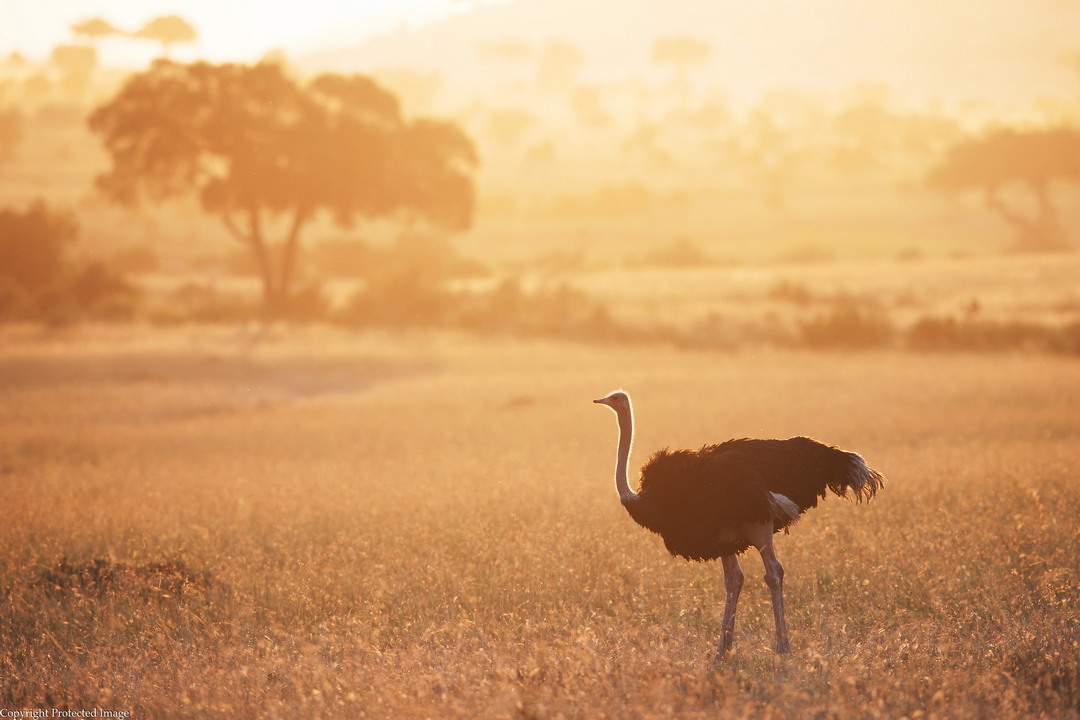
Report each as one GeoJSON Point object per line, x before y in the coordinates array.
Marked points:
{"type": "Point", "coordinates": [331, 524]}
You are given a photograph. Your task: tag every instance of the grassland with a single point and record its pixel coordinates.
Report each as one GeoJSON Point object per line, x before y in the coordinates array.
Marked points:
{"type": "Point", "coordinates": [322, 524]}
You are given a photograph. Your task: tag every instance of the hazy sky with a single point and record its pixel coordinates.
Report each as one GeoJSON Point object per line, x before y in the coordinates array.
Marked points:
{"type": "Point", "coordinates": [228, 29]}
{"type": "Point", "coordinates": [1010, 52]}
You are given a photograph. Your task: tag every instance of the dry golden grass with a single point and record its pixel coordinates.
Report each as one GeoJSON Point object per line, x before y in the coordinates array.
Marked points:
{"type": "Point", "coordinates": [330, 525]}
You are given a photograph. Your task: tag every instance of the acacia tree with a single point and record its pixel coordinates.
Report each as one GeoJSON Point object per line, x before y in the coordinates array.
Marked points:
{"type": "Point", "coordinates": [1004, 159]}
{"type": "Point", "coordinates": [167, 30]}
{"type": "Point", "coordinates": [681, 53]}
{"type": "Point", "coordinates": [95, 29]}
{"type": "Point", "coordinates": [257, 146]}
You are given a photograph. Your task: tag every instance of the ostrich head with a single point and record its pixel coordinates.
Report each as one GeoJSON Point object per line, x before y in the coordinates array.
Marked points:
{"type": "Point", "coordinates": [617, 401]}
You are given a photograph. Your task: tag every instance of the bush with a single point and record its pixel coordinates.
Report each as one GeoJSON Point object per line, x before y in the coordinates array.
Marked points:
{"type": "Point", "coordinates": [1067, 340]}
{"type": "Point", "coordinates": [136, 259]}
{"type": "Point", "coordinates": [36, 280]}
{"type": "Point", "coordinates": [14, 300]}
{"type": "Point", "coordinates": [202, 302]}
{"type": "Point", "coordinates": [56, 305]}
{"type": "Point", "coordinates": [560, 311]}
{"type": "Point", "coordinates": [848, 325]}
{"type": "Point", "coordinates": [949, 334]}
{"type": "Point", "coordinates": [682, 252]}
{"type": "Point", "coordinates": [97, 283]}
{"type": "Point", "coordinates": [407, 283]}
{"type": "Point", "coordinates": [116, 308]}
{"type": "Point", "coordinates": [399, 300]}
{"type": "Point", "coordinates": [32, 244]}
{"type": "Point", "coordinates": [791, 292]}
{"type": "Point", "coordinates": [306, 303]}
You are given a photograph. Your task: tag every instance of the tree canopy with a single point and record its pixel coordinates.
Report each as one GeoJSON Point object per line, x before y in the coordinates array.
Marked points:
{"type": "Point", "coordinates": [168, 30]}
{"type": "Point", "coordinates": [1033, 159]}
{"type": "Point", "coordinates": [95, 29]}
{"type": "Point", "coordinates": [256, 144]}
{"type": "Point", "coordinates": [681, 51]}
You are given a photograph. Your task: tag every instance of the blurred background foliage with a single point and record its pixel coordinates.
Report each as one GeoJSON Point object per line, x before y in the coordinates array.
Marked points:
{"type": "Point", "coordinates": [525, 187]}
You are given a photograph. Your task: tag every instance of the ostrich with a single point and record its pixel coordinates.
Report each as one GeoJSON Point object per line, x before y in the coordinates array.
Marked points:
{"type": "Point", "coordinates": [719, 501]}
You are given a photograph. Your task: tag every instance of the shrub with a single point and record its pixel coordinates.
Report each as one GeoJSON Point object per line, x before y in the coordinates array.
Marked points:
{"type": "Point", "coordinates": [97, 283]}
{"type": "Point", "coordinates": [306, 303]}
{"type": "Point", "coordinates": [56, 305]}
{"type": "Point", "coordinates": [202, 302]}
{"type": "Point", "coordinates": [1067, 340]}
{"type": "Point", "coordinates": [935, 333]}
{"type": "Point", "coordinates": [399, 300]}
{"type": "Point", "coordinates": [949, 334]}
{"type": "Point", "coordinates": [407, 284]}
{"type": "Point", "coordinates": [136, 259]}
{"type": "Point", "coordinates": [560, 311]}
{"type": "Point", "coordinates": [14, 300]}
{"type": "Point", "coordinates": [32, 244]}
{"type": "Point", "coordinates": [682, 252]}
{"type": "Point", "coordinates": [791, 292]}
{"type": "Point", "coordinates": [848, 325]}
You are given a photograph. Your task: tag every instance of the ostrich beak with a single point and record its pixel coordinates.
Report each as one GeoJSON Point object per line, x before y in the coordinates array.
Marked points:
{"type": "Point", "coordinates": [602, 401]}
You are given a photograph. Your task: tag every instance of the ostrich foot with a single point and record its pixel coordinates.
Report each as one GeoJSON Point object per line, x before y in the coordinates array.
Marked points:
{"type": "Point", "coordinates": [723, 651]}
{"type": "Point", "coordinates": [783, 646]}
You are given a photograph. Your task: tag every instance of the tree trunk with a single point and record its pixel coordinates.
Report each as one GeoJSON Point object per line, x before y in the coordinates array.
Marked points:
{"type": "Point", "coordinates": [288, 255]}
{"type": "Point", "coordinates": [1050, 235]}
{"type": "Point", "coordinates": [1041, 233]}
{"type": "Point", "coordinates": [272, 300]}
{"type": "Point", "coordinates": [255, 242]}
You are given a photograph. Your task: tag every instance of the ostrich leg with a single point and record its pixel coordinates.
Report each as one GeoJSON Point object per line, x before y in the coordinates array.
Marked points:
{"type": "Point", "coordinates": [774, 578]}
{"type": "Point", "coordinates": [733, 579]}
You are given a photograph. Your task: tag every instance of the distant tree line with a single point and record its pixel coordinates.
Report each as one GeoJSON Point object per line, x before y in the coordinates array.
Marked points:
{"type": "Point", "coordinates": [411, 285]}
{"type": "Point", "coordinates": [266, 154]}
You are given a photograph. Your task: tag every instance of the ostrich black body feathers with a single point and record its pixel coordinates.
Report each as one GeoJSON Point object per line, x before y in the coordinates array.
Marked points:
{"type": "Point", "coordinates": [698, 500]}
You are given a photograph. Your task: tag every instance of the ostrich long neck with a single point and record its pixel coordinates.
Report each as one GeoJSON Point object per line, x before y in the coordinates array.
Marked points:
{"type": "Point", "coordinates": [626, 438]}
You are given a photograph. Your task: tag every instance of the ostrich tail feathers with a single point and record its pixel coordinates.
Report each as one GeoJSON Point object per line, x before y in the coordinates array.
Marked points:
{"type": "Point", "coordinates": [862, 480]}
{"type": "Point", "coordinates": [784, 511]}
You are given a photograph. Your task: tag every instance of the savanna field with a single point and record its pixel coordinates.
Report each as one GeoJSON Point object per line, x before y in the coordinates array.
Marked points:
{"type": "Point", "coordinates": [209, 522]}
{"type": "Point", "coordinates": [303, 312]}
